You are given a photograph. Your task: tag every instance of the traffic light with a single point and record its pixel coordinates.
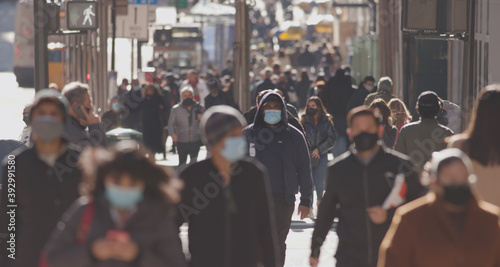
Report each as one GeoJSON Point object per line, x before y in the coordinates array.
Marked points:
{"type": "Point", "coordinates": [163, 36]}
{"type": "Point", "coordinates": [53, 10]}
{"type": "Point", "coordinates": [82, 15]}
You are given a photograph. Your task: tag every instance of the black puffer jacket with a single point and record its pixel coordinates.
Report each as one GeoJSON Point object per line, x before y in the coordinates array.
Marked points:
{"type": "Point", "coordinates": [322, 136]}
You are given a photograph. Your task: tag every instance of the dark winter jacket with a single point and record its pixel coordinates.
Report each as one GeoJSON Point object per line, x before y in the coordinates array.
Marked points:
{"type": "Point", "coordinates": [322, 136]}
{"type": "Point", "coordinates": [357, 98]}
{"type": "Point", "coordinates": [112, 120]}
{"type": "Point", "coordinates": [338, 92]}
{"type": "Point", "coordinates": [42, 194]}
{"type": "Point", "coordinates": [289, 151]}
{"type": "Point", "coordinates": [222, 98]}
{"type": "Point", "coordinates": [151, 227]}
{"type": "Point", "coordinates": [228, 225]}
{"type": "Point", "coordinates": [351, 188]}
{"type": "Point", "coordinates": [265, 85]}
{"type": "Point", "coordinates": [78, 135]}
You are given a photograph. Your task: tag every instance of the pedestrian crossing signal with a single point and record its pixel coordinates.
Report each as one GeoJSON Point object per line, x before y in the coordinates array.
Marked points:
{"type": "Point", "coordinates": [82, 15]}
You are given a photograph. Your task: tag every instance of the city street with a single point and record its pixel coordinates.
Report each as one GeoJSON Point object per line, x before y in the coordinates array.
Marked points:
{"type": "Point", "coordinates": [13, 99]}
{"type": "Point", "coordinates": [402, 93]}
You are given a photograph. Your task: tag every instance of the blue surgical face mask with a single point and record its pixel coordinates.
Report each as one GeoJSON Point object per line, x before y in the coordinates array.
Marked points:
{"type": "Point", "coordinates": [123, 197]}
{"type": "Point", "coordinates": [272, 116]}
{"type": "Point", "coordinates": [116, 106]}
{"type": "Point", "coordinates": [235, 148]}
{"type": "Point", "coordinates": [136, 88]}
{"type": "Point", "coordinates": [47, 128]}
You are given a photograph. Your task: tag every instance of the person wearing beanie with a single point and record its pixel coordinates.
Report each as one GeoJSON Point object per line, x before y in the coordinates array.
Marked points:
{"type": "Point", "coordinates": [282, 148]}
{"type": "Point", "coordinates": [384, 91]}
{"type": "Point", "coordinates": [450, 226]}
{"type": "Point", "coordinates": [226, 199]}
{"type": "Point", "coordinates": [419, 139]}
{"type": "Point", "coordinates": [217, 96]}
{"type": "Point", "coordinates": [40, 182]}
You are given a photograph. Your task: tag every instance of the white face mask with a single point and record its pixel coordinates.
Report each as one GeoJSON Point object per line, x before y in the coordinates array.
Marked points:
{"type": "Point", "coordinates": [369, 87]}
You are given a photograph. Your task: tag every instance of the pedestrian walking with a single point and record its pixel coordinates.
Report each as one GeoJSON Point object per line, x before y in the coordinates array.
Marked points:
{"type": "Point", "coordinates": [448, 227]}
{"type": "Point", "coordinates": [82, 115]}
{"type": "Point", "coordinates": [125, 216]}
{"type": "Point", "coordinates": [306, 58]}
{"type": "Point", "coordinates": [184, 126]}
{"type": "Point", "coordinates": [381, 109]}
{"type": "Point", "coordinates": [320, 136]}
{"type": "Point", "coordinates": [217, 96]}
{"type": "Point", "coordinates": [115, 117]}
{"type": "Point", "coordinates": [266, 83]}
{"type": "Point", "coordinates": [40, 183]}
{"type": "Point", "coordinates": [303, 87]}
{"type": "Point", "coordinates": [235, 224]}
{"type": "Point", "coordinates": [384, 91]}
{"type": "Point", "coordinates": [283, 150]}
{"type": "Point", "coordinates": [122, 88]}
{"type": "Point", "coordinates": [358, 97]}
{"type": "Point", "coordinates": [450, 116]}
{"type": "Point", "coordinates": [419, 139]}
{"type": "Point", "coordinates": [25, 136]}
{"type": "Point", "coordinates": [480, 143]}
{"type": "Point", "coordinates": [338, 91]}
{"type": "Point", "coordinates": [358, 192]}
{"type": "Point", "coordinates": [152, 128]}
{"type": "Point", "coordinates": [132, 105]}
{"type": "Point", "coordinates": [292, 119]}
{"type": "Point", "coordinates": [198, 86]}
{"type": "Point", "coordinates": [400, 114]}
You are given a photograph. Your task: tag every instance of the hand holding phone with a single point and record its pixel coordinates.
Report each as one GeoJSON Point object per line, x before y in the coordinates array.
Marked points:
{"type": "Point", "coordinates": [119, 236]}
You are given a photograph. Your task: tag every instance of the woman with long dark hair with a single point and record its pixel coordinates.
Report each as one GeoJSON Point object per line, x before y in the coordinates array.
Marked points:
{"type": "Point", "coordinates": [125, 217]}
{"type": "Point", "coordinates": [390, 132]}
{"type": "Point", "coordinates": [320, 135]}
{"type": "Point", "coordinates": [481, 141]}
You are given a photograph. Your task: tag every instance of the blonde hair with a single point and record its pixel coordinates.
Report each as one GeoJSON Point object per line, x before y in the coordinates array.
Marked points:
{"type": "Point", "coordinates": [400, 114]}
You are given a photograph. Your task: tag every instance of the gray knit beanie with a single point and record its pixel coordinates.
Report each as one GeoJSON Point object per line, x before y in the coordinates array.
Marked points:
{"type": "Point", "coordinates": [217, 121]}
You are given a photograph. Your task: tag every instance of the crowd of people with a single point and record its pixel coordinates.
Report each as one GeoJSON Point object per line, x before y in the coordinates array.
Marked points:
{"type": "Point", "coordinates": [401, 197]}
{"type": "Point", "coordinates": [406, 191]}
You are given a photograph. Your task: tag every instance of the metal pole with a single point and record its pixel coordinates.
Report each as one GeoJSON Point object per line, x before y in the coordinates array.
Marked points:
{"type": "Point", "coordinates": [245, 58]}
{"type": "Point", "coordinates": [242, 54]}
{"type": "Point", "coordinates": [41, 53]}
{"type": "Point", "coordinates": [113, 21]}
{"type": "Point", "coordinates": [468, 69]}
{"type": "Point", "coordinates": [132, 59]}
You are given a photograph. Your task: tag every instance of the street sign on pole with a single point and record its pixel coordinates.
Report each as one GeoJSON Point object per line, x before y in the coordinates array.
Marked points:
{"type": "Point", "coordinates": [135, 24]}
{"type": "Point", "coordinates": [82, 15]}
{"type": "Point", "coordinates": [152, 10]}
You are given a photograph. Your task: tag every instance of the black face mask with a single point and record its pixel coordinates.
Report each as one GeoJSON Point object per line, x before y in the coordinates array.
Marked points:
{"type": "Point", "coordinates": [188, 102]}
{"type": "Point", "coordinates": [365, 141]}
{"type": "Point", "coordinates": [311, 111]}
{"type": "Point", "coordinates": [458, 195]}
{"type": "Point", "coordinates": [26, 120]}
